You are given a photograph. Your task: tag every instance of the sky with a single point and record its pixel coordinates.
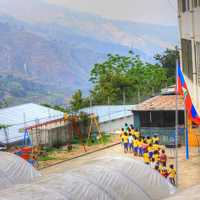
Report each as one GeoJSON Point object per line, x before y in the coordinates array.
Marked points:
{"type": "Point", "coordinates": [150, 11]}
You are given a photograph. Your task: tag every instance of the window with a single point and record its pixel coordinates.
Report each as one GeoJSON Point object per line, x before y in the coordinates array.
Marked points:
{"type": "Point", "coordinates": [160, 118]}
{"type": "Point", "coordinates": [196, 3]}
{"type": "Point", "coordinates": [185, 5]}
{"type": "Point", "coordinates": [187, 58]}
{"type": "Point", "coordinates": [197, 48]}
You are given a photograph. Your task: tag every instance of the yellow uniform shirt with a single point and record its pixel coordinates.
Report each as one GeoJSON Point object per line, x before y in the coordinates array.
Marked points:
{"type": "Point", "coordinates": [139, 144]}
{"type": "Point", "coordinates": [172, 173]}
{"type": "Point", "coordinates": [132, 132]}
{"type": "Point", "coordinates": [146, 158]}
{"type": "Point", "coordinates": [137, 134]}
{"type": "Point", "coordinates": [125, 139]}
{"type": "Point", "coordinates": [149, 141]}
{"type": "Point", "coordinates": [156, 157]}
{"type": "Point", "coordinates": [160, 168]}
{"type": "Point", "coordinates": [150, 149]}
{"type": "Point", "coordinates": [122, 136]}
{"type": "Point", "coordinates": [135, 143]}
{"type": "Point", "coordinates": [155, 139]}
{"type": "Point", "coordinates": [156, 147]}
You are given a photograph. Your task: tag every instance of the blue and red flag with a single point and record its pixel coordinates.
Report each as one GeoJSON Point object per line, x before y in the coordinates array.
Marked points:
{"type": "Point", "coordinates": [183, 91]}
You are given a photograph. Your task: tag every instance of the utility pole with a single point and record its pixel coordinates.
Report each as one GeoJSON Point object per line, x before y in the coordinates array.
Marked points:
{"type": "Point", "coordinates": [138, 95]}
{"type": "Point", "coordinates": [124, 97]}
{"type": "Point", "coordinates": [109, 114]}
{"type": "Point", "coordinates": [176, 124]}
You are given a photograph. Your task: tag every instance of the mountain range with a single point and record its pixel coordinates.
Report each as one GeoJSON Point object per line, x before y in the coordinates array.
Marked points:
{"type": "Point", "coordinates": [47, 51]}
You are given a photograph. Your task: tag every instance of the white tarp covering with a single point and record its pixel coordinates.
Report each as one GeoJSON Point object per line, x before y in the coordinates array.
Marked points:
{"type": "Point", "coordinates": [14, 170]}
{"type": "Point", "coordinates": [107, 178]}
{"type": "Point", "coordinates": [192, 193]}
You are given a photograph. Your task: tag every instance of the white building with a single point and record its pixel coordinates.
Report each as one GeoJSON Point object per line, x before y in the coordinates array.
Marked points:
{"type": "Point", "coordinates": [189, 24]}
{"type": "Point", "coordinates": [111, 118]}
{"type": "Point", "coordinates": [18, 117]}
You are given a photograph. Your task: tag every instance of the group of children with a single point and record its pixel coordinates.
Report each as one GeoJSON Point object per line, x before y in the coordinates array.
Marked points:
{"type": "Point", "coordinates": [149, 148]}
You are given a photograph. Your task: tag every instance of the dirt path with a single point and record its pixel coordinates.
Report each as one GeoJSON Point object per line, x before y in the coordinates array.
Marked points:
{"type": "Point", "coordinates": [188, 171]}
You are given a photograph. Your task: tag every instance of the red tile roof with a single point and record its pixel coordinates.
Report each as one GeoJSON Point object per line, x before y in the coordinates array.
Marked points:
{"type": "Point", "coordinates": [160, 103]}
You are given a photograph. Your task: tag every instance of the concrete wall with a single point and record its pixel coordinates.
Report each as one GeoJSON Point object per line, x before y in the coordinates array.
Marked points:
{"type": "Point", "coordinates": [51, 137]}
{"type": "Point", "coordinates": [115, 125]}
{"type": "Point", "coordinates": [189, 25]}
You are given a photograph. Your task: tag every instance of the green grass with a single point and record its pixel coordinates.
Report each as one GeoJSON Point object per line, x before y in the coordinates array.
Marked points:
{"type": "Point", "coordinates": [105, 139]}
{"type": "Point", "coordinates": [46, 158]}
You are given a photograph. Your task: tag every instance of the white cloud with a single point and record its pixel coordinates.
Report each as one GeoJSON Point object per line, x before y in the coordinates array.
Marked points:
{"type": "Point", "coordinates": [151, 11]}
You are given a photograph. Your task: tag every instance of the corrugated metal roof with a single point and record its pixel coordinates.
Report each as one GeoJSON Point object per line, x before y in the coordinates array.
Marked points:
{"type": "Point", "coordinates": [108, 113]}
{"type": "Point", "coordinates": [26, 114]}
{"type": "Point", "coordinates": [163, 102]}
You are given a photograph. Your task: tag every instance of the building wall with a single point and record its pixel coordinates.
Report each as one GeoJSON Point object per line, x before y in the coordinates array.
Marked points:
{"type": "Point", "coordinates": [115, 125]}
{"type": "Point", "coordinates": [189, 24]}
{"type": "Point", "coordinates": [57, 136]}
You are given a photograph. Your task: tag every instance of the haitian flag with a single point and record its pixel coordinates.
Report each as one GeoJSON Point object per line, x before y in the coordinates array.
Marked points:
{"type": "Point", "coordinates": [183, 91]}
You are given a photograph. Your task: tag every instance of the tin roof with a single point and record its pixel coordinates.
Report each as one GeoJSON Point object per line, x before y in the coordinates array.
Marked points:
{"type": "Point", "coordinates": [161, 103]}
{"type": "Point", "coordinates": [24, 115]}
{"type": "Point", "coordinates": [109, 112]}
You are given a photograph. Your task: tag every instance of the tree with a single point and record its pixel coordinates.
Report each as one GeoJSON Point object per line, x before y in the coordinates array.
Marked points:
{"type": "Point", "coordinates": [77, 102]}
{"type": "Point", "coordinates": [129, 76]}
{"type": "Point", "coordinates": [168, 61]}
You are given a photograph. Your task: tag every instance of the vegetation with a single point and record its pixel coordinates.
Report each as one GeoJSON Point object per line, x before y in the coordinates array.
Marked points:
{"type": "Point", "coordinates": [168, 61]}
{"type": "Point", "coordinates": [77, 102]}
{"type": "Point", "coordinates": [126, 80]}
{"type": "Point", "coordinates": [46, 158]}
{"type": "Point", "coordinates": [3, 126]}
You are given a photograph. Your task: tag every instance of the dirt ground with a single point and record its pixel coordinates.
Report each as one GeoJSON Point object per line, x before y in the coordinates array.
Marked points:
{"type": "Point", "coordinates": [78, 150]}
{"type": "Point", "coordinates": [188, 170]}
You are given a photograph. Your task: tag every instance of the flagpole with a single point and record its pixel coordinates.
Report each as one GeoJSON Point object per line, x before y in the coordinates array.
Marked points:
{"type": "Point", "coordinates": [176, 123]}
{"type": "Point", "coordinates": [186, 136]}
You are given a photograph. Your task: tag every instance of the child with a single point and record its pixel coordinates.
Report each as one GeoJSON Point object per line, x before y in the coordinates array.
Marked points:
{"type": "Point", "coordinates": [149, 140]}
{"type": "Point", "coordinates": [130, 142]}
{"type": "Point", "coordinates": [153, 163]}
{"type": "Point", "coordinates": [140, 153]}
{"type": "Point", "coordinates": [122, 137]}
{"type": "Point", "coordinates": [125, 142]}
{"type": "Point", "coordinates": [126, 127]}
{"type": "Point", "coordinates": [157, 166]}
{"type": "Point", "coordinates": [156, 146]}
{"type": "Point", "coordinates": [163, 157]}
{"type": "Point", "coordinates": [144, 146]}
{"type": "Point", "coordinates": [156, 156]}
{"type": "Point", "coordinates": [151, 151]}
{"type": "Point", "coordinates": [135, 146]}
{"type": "Point", "coordinates": [146, 157]}
{"type": "Point", "coordinates": [156, 139]}
{"type": "Point", "coordinates": [172, 174]}
{"type": "Point", "coordinates": [137, 134]}
{"type": "Point", "coordinates": [164, 171]}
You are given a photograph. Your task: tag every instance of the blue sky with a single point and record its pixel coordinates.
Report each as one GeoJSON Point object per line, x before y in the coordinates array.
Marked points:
{"type": "Point", "coordinates": [150, 11]}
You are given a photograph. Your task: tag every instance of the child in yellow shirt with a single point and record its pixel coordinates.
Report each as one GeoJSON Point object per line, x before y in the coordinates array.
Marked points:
{"type": "Point", "coordinates": [156, 139]}
{"type": "Point", "coordinates": [156, 156]}
{"type": "Point", "coordinates": [135, 146]}
{"type": "Point", "coordinates": [140, 147]}
{"type": "Point", "coordinates": [172, 174]}
{"type": "Point", "coordinates": [125, 142]}
{"type": "Point", "coordinates": [137, 134]}
{"type": "Point", "coordinates": [151, 151]}
{"type": "Point", "coordinates": [122, 137]}
{"type": "Point", "coordinates": [146, 158]}
{"type": "Point", "coordinates": [156, 147]}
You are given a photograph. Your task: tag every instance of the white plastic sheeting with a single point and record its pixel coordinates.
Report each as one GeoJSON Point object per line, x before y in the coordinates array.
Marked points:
{"type": "Point", "coordinates": [107, 178]}
{"type": "Point", "coordinates": [191, 193]}
{"type": "Point", "coordinates": [14, 170]}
